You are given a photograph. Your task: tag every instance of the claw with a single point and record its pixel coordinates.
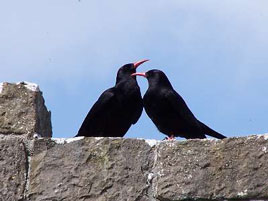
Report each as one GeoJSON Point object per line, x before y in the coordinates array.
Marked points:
{"type": "Point", "coordinates": [169, 138]}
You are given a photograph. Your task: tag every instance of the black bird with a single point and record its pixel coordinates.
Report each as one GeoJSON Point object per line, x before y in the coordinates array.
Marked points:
{"type": "Point", "coordinates": [117, 108]}
{"type": "Point", "coordinates": [168, 110]}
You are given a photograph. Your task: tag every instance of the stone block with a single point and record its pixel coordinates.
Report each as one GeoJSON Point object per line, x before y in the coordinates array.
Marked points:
{"type": "Point", "coordinates": [90, 169]}
{"type": "Point", "coordinates": [233, 168]}
{"type": "Point", "coordinates": [13, 169]}
{"type": "Point", "coordinates": [22, 110]}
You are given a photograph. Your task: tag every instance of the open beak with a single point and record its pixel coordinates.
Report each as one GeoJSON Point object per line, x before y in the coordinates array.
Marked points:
{"type": "Point", "coordinates": [140, 74]}
{"type": "Point", "coordinates": [136, 64]}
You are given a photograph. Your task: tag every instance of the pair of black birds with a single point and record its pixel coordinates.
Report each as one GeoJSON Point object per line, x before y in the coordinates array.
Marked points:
{"type": "Point", "coordinates": [121, 106]}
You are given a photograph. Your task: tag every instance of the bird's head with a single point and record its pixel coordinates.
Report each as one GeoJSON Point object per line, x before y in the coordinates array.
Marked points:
{"type": "Point", "coordinates": [155, 77]}
{"type": "Point", "coordinates": [127, 70]}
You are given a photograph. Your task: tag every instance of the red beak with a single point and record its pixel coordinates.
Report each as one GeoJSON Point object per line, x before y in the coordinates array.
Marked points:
{"type": "Point", "coordinates": [136, 64]}
{"type": "Point", "coordinates": [140, 74]}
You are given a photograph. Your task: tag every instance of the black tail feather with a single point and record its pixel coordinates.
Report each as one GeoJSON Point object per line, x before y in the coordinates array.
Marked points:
{"type": "Point", "coordinates": [211, 132]}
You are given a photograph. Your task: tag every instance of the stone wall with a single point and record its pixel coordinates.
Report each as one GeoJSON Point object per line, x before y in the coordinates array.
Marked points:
{"type": "Point", "coordinates": [33, 168]}
{"type": "Point", "coordinates": [22, 110]}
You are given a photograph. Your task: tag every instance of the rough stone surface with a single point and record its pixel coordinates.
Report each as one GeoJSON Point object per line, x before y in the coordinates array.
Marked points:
{"type": "Point", "coordinates": [234, 168]}
{"type": "Point", "coordinates": [22, 111]}
{"type": "Point", "coordinates": [109, 169]}
{"type": "Point", "coordinates": [90, 169]}
{"type": "Point", "coordinates": [13, 169]}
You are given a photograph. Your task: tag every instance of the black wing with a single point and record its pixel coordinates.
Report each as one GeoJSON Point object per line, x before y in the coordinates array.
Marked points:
{"type": "Point", "coordinates": [181, 108]}
{"type": "Point", "coordinates": [98, 115]}
{"type": "Point", "coordinates": [184, 114]}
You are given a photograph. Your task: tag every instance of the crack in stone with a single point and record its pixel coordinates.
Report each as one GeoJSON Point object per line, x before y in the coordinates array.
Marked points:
{"type": "Point", "coordinates": [28, 146]}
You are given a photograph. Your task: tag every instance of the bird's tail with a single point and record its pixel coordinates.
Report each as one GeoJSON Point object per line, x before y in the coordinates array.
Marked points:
{"type": "Point", "coordinates": [211, 132]}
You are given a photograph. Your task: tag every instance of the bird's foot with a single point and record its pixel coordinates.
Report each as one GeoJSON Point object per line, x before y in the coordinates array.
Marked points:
{"type": "Point", "coordinates": [169, 138]}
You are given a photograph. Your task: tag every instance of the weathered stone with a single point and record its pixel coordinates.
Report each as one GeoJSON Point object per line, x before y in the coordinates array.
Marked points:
{"type": "Point", "coordinates": [234, 168]}
{"type": "Point", "coordinates": [22, 110]}
{"type": "Point", "coordinates": [13, 169]}
{"type": "Point", "coordinates": [90, 169]}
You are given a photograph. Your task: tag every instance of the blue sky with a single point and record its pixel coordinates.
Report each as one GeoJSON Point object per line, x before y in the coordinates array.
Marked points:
{"type": "Point", "coordinates": [214, 53]}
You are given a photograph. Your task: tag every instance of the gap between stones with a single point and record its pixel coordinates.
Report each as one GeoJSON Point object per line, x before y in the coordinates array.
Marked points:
{"type": "Point", "coordinates": [28, 146]}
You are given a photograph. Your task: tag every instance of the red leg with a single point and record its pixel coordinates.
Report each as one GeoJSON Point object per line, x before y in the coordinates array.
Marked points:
{"type": "Point", "coordinates": [172, 137]}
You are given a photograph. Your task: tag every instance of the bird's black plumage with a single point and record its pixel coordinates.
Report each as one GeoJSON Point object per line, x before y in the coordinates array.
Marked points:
{"type": "Point", "coordinates": [168, 110]}
{"type": "Point", "coordinates": [117, 108]}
